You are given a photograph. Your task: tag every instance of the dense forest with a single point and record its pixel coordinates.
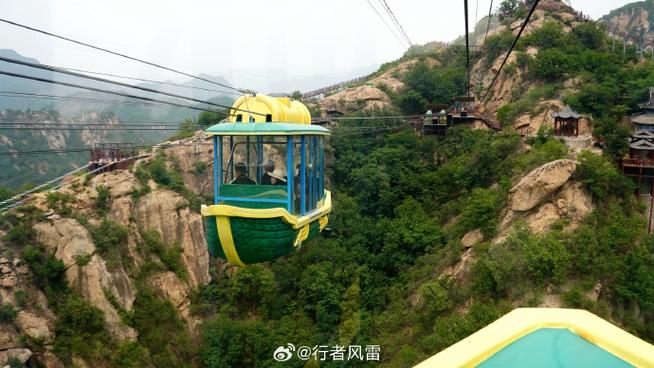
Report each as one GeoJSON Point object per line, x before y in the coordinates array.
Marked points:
{"type": "Point", "coordinates": [402, 205]}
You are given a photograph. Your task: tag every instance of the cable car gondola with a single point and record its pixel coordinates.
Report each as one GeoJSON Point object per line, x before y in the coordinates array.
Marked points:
{"type": "Point", "coordinates": [269, 181]}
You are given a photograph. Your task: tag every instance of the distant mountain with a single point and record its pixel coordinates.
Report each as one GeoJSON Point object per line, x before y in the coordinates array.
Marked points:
{"type": "Point", "coordinates": [14, 84]}
{"type": "Point", "coordinates": [81, 106]}
{"type": "Point", "coordinates": [635, 20]}
{"type": "Point", "coordinates": [205, 90]}
{"type": "Point", "coordinates": [279, 80]}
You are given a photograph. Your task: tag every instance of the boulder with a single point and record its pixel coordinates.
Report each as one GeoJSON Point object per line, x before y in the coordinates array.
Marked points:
{"type": "Point", "coordinates": [540, 184]}
{"type": "Point", "coordinates": [461, 270]}
{"type": "Point", "coordinates": [66, 238]}
{"type": "Point", "coordinates": [472, 237]}
{"type": "Point", "coordinates": [578, 202]}
{"type": "Point", "coordinates": [541, 220]}
{"type": "Point", "coordinates": [9, 337]}
{"type": "Point", "coordinates": [50, 360]}
{"type": "Point", "coordinates": [34, 326]}
{"type": "Point", "coordinates": [22, 354]}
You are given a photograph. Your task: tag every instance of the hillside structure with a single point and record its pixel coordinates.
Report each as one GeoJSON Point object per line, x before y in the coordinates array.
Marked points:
{"type": "Point", "coordinates": [645, 119]}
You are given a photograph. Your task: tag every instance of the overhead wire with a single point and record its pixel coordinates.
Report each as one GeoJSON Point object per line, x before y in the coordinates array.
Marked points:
{"type": "Point", "coordinates": [127, 85]}
{"type": "Point", "coordinates": [86, 149]}
{"type": "Point", "coordinates": [465, 6]}
{"type": "Point", "coordinates": [515, 41]}
{"type": "Point", "coordinates": [476, 15]}
{"type": "Point", "coordinates": [386, 23]}
{"type": "Point", "coordinates": [165, 83]}
{"type": "Point", "coordinates": [41, 96]}
{"type": "Point", "coordinates": [488, 22]}
{"type": "Point", "coordinates": [149, 99]}
{"type": "Point", "coordinates": [119, 124]}
{"type": "Point", "coordinates": [397, 22]}
{"type": "Point", "coordinates": [152, 128]}
{"type": "Point", "coordinates": [243, 91]}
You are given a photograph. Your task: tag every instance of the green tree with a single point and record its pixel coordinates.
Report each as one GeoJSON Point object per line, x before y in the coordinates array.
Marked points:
{"type": "Point", "coordinates": [209, 118]}
{"type": "Point", "coordinates": [614, 135]}
{"type": "Point", "coordinates": [601, 177]}
{"type": "Point", "coordinates": [549, 64]}
{"type": "Point", "coordinates": [412, 102]}
{"type": "Point", "coordinates": [508, 9]}
{"type": "Point", "coordinates": [79, 330]}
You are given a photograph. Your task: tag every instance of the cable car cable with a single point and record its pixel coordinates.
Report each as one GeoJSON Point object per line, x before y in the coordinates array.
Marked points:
{"type": "Point", "coordinates": [397, 22]}
{"type": "Point", "coordinates": [465, 6]}
{"type": "Point", "coordinates": [73, 98]}
{"type": "Point", "coordinates": [121, 55]}
{"type": "Point", "coordinates": [515, 41]}
{"type": "Point", "coordinates": [153, 81]}
{"type": "Point", "coordinates": [490, 10]}
{"type": "Point", "coordinates": [149, 99]}
{"type": "Point", "coordinates": [386, 23]}
{"type": "Point", "coordinates": [104, 80]}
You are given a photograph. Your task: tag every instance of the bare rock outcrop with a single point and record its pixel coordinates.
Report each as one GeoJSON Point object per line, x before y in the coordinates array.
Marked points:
{"type": "Point", "coordinates": [544, 196]}
{"type": "Point", "coordinates": [461, 270]}
{"type": "Point", "coordinates": [171, 287]}
{"type": "Point", "coordinates": [539, 184]}
{"type": "Point", "coordinates": [22, 354]}
{"type": "Point", "coordinates": [193, 157]}
{"type": "Point", "coordinates": [159, 210]}
{"type": "Point", "coordinates": [358, 98]}
{"type": "Point", "coordinates": [472, 237]}
{"type": "Point", "coordinates": [34, 326]}
{"type": "Point", "coordinates": [69, 241]}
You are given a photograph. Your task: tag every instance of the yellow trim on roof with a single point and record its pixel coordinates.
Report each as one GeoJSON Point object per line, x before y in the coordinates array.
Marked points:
{"type": "Point", "coordinates": [324, 207]}
{"type": "Point", "coordinates": [481, 345]}
{"type": "Point", "coordinates": [227, 241]}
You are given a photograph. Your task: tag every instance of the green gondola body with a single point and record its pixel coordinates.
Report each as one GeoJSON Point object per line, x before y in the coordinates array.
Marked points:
{"type": "Point", "coordinates": [251, 220]}
{"type": "Point", "coordinates": [258, 240]}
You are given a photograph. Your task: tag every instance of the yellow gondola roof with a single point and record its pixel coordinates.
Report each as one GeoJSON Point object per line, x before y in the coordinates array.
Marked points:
{"type": "Point", "coordinates": [270, 116]}
{"type": "Point", "coordinates": [266, 109]}
{"type": "Point", "coordinates": [483, 344]}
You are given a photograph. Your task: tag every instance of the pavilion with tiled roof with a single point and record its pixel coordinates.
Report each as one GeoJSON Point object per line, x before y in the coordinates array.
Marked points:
{"type": "Point", "coordinates": [566, 122]}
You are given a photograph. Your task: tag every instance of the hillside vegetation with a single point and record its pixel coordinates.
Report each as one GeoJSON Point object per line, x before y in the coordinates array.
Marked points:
{"type": "Point", "coordinates": [430, 239]}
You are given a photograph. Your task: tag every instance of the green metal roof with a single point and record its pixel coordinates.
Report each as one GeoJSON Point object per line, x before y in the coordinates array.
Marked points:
{"type": "Point", "coordinates": [276, 128]}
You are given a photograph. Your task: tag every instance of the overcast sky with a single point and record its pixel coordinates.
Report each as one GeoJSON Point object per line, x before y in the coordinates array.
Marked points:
{"type": "Point", "coordinates": [245, 40]}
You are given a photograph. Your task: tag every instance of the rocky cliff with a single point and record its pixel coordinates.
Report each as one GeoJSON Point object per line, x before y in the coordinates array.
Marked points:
{"type": "Point", "coordinates": [116, 235]}
{"type": "Point", "coordinates": [633, 21]}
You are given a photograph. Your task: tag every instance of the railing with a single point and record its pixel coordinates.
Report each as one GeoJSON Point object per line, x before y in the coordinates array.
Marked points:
{"type": "Point", "coordinates": [19, 199]}
{"type": "Point", "coordinates": [637, 162]}
{"type": "Point", "coordinates": [334, 87]}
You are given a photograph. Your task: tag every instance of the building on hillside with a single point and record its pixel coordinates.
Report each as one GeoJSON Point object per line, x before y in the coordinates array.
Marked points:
{"type": "Point", "coordinates": [566, 122]}
{"type": "Point", "coordinates": [645, 119]}
{"type": "Point", "coordinates": [640, 162]}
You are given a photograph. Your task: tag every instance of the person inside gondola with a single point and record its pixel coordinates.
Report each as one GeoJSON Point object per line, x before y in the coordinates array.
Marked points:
{"type": "Point", "coordinates": [269, 177]}
{"type": "Point", "coordinates": [242, 175]}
